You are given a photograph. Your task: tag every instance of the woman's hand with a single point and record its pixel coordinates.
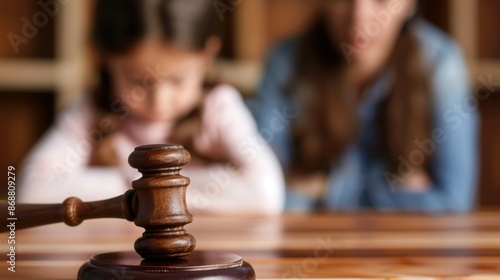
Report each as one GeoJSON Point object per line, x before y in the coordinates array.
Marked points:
{"type": "Point", "coordinates": [418, 181]}
{"type": "Point", "coordinates": [312, 185]}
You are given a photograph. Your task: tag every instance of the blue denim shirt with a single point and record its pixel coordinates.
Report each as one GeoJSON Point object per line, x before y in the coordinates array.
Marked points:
{"type": "Point", "coordinates": [360, 180]}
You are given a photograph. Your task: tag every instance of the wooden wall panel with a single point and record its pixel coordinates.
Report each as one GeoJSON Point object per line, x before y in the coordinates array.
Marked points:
{"type": "Point", "coordinates": [25, 117]}
{"type": "Point", "coordinates": [489, 189]}
{"type": "Point", "coordinates": [14, 14]}
{"type": "Point", "coordinates": [487, 33]}
{"type": "Point", "coordinates": [288, 18]}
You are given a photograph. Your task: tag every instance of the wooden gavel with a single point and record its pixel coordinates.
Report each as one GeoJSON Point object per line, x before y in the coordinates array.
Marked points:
{"type": "Point", "coordinates": [157, 203]}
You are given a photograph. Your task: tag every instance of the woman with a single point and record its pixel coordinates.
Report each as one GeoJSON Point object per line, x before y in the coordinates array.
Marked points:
{"type": "Point", "coordinates": [374, 103]}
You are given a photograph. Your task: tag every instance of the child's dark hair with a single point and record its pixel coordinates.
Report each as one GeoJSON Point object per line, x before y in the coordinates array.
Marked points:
{"type": "Point", "coordinates": [120, 24]}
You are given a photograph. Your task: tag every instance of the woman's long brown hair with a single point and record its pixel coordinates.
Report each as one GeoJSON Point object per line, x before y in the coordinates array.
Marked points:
{"type": "Point", "coordinates": [328, 123]}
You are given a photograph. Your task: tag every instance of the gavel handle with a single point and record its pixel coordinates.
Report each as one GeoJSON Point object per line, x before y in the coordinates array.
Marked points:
{"type": "Point", "coordinates": [72, 211]}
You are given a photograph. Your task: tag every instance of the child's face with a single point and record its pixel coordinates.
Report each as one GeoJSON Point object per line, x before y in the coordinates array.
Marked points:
{"type": "Point", "coordinates": [159, 82]}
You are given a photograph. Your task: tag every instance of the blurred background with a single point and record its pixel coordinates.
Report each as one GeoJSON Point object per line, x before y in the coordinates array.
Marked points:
{"type": "Point", "coordinates": [45, 70]}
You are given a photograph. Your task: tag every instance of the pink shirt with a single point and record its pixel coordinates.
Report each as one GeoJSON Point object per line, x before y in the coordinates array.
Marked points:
{"type": "Point", "coordinates": [58, 168]}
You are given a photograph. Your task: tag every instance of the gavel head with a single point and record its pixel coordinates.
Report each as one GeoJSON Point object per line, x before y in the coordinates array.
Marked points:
{"type": "Point", "coordinates": [160, 201]}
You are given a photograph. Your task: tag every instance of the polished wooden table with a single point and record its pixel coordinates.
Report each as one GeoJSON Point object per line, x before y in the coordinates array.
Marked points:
{"type": "Point", "coordinates": [362, 245]}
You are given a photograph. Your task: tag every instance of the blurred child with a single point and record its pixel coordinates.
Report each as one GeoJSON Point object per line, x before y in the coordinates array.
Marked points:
{"type": "Point", "coordinates": [154, 57]}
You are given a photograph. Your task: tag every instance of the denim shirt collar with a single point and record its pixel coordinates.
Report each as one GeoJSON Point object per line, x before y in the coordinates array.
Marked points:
{"type": "Point", "coordinates": [373, 94]}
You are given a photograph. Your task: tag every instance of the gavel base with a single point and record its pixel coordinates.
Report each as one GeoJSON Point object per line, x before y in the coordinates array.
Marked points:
{"type": "Point", "coordinates": [197, 265]}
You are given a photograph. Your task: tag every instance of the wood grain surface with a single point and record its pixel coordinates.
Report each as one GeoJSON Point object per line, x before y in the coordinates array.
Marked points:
{"type": "Point", "coordinates": [304, 246]}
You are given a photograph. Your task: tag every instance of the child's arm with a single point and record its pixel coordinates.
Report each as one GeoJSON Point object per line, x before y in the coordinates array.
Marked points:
{"type": "Point", "coordinates": [57, 167]}
{"type": "Point", "coordinates": [256, 185]}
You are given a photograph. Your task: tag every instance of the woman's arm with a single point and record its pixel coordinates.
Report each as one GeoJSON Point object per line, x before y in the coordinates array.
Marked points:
{"type": "Point", "coordinates": [57, 167]}
{"type": "Point", "coordinates": [252, 182]}
{"type": "Point", "coordinates": [273, 109]}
